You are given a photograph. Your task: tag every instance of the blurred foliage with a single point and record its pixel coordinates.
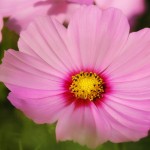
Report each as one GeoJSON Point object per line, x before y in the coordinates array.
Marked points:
{"type": "Point", "coordinates": [9, 41]}
{"type": "Point", "coordinates": [19, 133]}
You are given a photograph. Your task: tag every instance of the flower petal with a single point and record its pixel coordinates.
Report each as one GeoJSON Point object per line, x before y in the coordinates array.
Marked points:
{"type": "Point", "coordinates": [126, 120]}
{"type": "Point", "coordinates": [42, 110]}
{"type": "Point", "coordinates": [26, 71]}
{"type": "Point", "coordinates": [31, 93]}
{"type": "Point", "coordinates": [135, 52]}
{"type": "Point", "coordinates": [94, 39]}
{"type": "Point", "coordinates": [88, 2]}
{"type": "Point", "coordinates": [21, 18]}
{"type": "Point", "coordinates": [8, 7]}
{"type": "Point", "coordinates": [41, 42]}
{"type": "Point", "coordinates": [1, 26]}
{"type": "Point", "coordinates": [85, 125]}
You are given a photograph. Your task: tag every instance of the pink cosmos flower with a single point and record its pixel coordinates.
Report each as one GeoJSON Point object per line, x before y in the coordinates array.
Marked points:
{"type": "Point", "coordinates": [22, 12]}
{"type": "Point", "coordinates": [1, 26]}
{"type": "Point", "coordinates": [92, 78]}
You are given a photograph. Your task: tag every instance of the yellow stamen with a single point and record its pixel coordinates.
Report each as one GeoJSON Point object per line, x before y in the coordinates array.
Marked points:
{"type": "Point", "coordinates": [87, 85]}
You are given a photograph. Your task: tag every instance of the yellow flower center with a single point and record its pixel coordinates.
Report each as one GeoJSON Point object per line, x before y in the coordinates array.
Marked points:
{"type": "Point", "coordinates": [87, 85]}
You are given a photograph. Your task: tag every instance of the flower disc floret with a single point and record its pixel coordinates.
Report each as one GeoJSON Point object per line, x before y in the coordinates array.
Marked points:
{"type": "Point", "coordinates": [87, 85]}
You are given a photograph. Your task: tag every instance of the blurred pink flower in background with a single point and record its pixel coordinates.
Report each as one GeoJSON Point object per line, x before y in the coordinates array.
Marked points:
{"type": "Point", "coordinates": [22, 12]}
{"type": "Point", "coordinates": [92, 78]}
{"type": "Point", "coordinates": [130, 8]}
{"type": "Point", "coordinates": [88, 2]}
{"type": "Point", "coordinates": [1, 26]}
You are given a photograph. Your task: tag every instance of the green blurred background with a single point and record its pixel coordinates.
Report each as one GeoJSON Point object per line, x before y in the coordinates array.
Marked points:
{"type": "Point", "coordinates": [19, 133]}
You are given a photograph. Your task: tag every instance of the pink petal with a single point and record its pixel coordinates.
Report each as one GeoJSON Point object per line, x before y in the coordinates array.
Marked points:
{"type": "Point", "coordinates": [19, 21]}
{"type": "Point", "coordinates": [31, 93]}
{"type": "Point", "coordinates": [125, 120]}
{"type": "Point", "coordinates": [9, 7]}
{"type": "Point", "coordinates": [41, 42]}
{"type": "Point", "coordinates": [136, 48]}
{"type": "Point", "coordinates": [88, 2]}
{"type": "Point", "coordinates": [1, 26]}
{"type": "Point", "coordinates": [134, 101]}
{"type": "Point", "coordinates": [26, 71]}
{"type": "Point", "coordinates": [130, 95]}
{"type": "Point", "coordinates": [21, 18]}
{"type": "Point", "coordinates": [85, 125]}
{"type": "Point", "coordinates": [96, 33]}
{"type": "Point", "coordinates": [135, 86]}
{"type": "Point", "coordinates": [42, 110]}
